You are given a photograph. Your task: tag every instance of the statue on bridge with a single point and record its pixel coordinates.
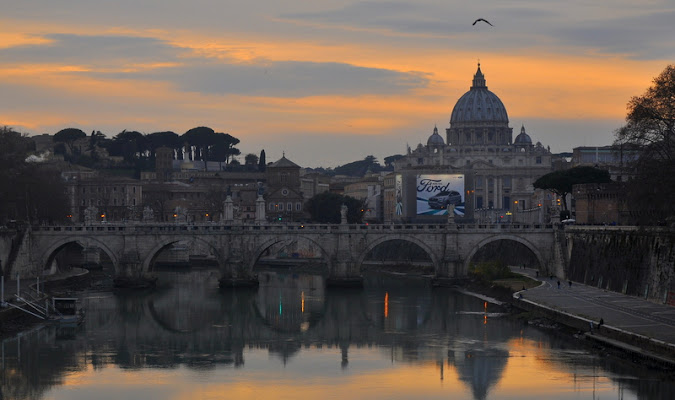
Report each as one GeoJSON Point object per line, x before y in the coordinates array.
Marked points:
{"type": "Point", "coordinates": [343, 214]}
{"type": "Point", "coordinates": [90, 214]}
{"type": "Point", "coordinates": [148, 214]}
{"type": "Point", "coordinates": [181, 214]}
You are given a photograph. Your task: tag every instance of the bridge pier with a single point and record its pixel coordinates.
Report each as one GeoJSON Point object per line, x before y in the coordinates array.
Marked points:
{"type": "Point", "coordinates": [344, 274]}
{"type": "Point", "coordinates": [234, 274]}
{"type": "Point", "coordinates": [448, 273]}
{"type": "Point", "coordinates": [130, 272]}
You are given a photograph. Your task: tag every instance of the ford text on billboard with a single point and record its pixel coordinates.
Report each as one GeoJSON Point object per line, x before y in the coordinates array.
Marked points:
{"type": "Point", "coordinates": [436, 192]}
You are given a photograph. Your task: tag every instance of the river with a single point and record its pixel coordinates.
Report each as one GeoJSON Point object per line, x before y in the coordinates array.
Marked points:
{"type": "Point", "coordinates": [291, 338]}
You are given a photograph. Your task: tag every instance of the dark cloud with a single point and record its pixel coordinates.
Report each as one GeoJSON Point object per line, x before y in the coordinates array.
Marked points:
{"type": "Point", "coordinates": [92, 50]}
{"type": "Point", "coordinates": [283, 79]}
{"type": "Point", "coordinates": [637, 33]}
{"type": "Point", "coordinates": [194, 74]}
{"type": "Point", "coordinates": [639, 36]}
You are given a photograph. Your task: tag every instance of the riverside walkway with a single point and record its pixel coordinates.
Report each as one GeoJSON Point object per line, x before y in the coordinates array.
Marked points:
{"type": "Point", "coordinates": [631, 323]}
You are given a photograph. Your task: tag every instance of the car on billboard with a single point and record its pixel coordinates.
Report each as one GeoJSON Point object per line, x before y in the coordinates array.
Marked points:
{"type": "Point", "coordinates": [444, 199]}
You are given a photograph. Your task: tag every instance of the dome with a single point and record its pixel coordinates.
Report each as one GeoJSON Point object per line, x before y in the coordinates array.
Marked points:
{"type": "Point", "coordinates": [435, 139]}
{"type": "Point", "coordinates": [523, 138]}
{"type": "Point", "coordinates": [479, 104]}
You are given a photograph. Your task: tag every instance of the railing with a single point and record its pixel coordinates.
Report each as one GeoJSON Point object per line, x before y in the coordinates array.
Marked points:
{"type": "Point", "coordinates": [291, 227]}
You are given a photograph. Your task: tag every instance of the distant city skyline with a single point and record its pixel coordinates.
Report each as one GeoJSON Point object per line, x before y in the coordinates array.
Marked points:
{"type": "Point", "coordinates": [327, 84]}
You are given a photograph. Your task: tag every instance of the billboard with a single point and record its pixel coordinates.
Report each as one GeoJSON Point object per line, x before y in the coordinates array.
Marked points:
{"type": "Point", "coordinates": [436, 192]}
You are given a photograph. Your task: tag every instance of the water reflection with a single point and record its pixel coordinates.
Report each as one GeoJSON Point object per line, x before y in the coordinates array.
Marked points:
{"type": "Point", "coordinates": [293, 338]}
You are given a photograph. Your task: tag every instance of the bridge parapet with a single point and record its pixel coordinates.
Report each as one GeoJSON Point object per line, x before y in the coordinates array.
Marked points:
{"type": "Point", "coordinates": [169, 228]}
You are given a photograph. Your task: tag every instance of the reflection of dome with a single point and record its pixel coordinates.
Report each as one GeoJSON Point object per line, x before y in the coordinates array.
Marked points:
{"type": "Point", "coordinates": [435, 139]}
{"type": "Point", "coordinates": [479, 104]}
{"type": "Point", "coordinates": [523, 138]}
{"type": "Point", "coordinates": [482, 369]}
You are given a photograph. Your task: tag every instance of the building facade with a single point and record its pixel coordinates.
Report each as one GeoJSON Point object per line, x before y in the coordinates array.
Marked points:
{"type": "Point", "coordinates": [478, 166]}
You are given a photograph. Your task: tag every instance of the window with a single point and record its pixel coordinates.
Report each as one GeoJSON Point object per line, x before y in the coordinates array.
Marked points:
{"type": "Point", "coordinates": [271, 207]}
{"type": "Point", "coordinates": [538, 160]}
{"type": "Point", "coordinates": [506, 203]}
{"type": "Point", "coordinates": [506, 181]}
{"type": "Point", "coordinates": [298, 206]}
{"type": "Point", "coordinates": [281, 206]}
{"type": "Point", "coordinates": [134, 202]}
{"type": "Point", "coordinates": [479, 201]}
{"type": "Point", "coordinates": [289, 207]}
{"type": "Point", "coordinates": [479, 182]}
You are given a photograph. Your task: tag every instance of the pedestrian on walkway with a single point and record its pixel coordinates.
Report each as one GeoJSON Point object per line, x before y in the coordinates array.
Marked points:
{"type": "Point", "coordinates": [558, 284]}
{"type": "Point", "coordinates": [570, 284]}
{"type": "Point", "coordinates": [602, 322]}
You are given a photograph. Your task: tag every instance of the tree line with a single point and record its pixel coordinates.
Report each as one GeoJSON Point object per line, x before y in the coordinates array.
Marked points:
{"type": "Point", "coordinates": [197, 144]}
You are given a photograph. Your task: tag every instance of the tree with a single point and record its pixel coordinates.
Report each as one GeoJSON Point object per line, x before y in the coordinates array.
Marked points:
{"type": "Point", "coordinates": [127, 144]}
{"type": "Point", "coordinates": [359, 168]}
{"type": "Point", "coordinates": [30, 191]}
{"type": "Point", "coordinates": [262, 163]}
{"type": "Point", "coordinates": [251, 161]}
{"type": "Point", "coordinates": [560, 182]}
{"type": "Point", "coordinates": [69, 136]}
{"type": "Point", "coordinates": [200, 139]}
{"type": "Point", "coordinates": [325, 208]}
{"type": "Point", "coordinates": [389, 161]}
{"type": "Point", "coordinates": [161, 139]}
{"type": "Point", "coordinates": [650, 129]}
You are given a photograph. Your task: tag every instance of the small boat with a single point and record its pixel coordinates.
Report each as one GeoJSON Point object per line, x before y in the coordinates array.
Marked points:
{"type": "Point", "coordinates": [67, 311]}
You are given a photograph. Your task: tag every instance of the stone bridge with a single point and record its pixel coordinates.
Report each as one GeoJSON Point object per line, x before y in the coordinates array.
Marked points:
{"type": "Point", "coordinates": [133, 248]}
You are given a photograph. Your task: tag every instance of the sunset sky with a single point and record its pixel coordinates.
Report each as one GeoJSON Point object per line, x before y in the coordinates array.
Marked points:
{"type": "Point", "coordinates": [327, 82]}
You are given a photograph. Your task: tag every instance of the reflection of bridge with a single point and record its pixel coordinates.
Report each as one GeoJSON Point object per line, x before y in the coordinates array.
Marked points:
{"type": "Point", "coordinates": [132, 249]}
{"type": "Point", "coordinates": [150, 330]}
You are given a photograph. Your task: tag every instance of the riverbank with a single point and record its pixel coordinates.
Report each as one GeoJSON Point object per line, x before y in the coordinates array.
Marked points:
{"type": "Point", "coordinates": [632, 328]}
{"type": "Point", "coordinates": [14, 321]}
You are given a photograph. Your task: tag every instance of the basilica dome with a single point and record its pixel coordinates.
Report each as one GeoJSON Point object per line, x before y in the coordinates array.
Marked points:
{"type": "Point", "coordinates": [435, 139]}
{"type": "Point", "coordinates": [523, 138]}
{"type": "Point", "coordinates": [479, 105]}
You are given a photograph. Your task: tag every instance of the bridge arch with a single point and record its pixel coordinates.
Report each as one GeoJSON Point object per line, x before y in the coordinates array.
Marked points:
{"type": "Point", "coordinates": [515, 238]}
{"type": "Point", "coordinates": [47, 256]}
{"type": "Point", "coordinates": [266, 244]}
{"type": "Point", "coordinates": [166, 242]}
{"type": "Point", "coordinates": [435, 259]}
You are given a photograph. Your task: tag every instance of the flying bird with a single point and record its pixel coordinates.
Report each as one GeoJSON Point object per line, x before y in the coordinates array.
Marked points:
{"type": "Point", "coordinates": [481, 19]}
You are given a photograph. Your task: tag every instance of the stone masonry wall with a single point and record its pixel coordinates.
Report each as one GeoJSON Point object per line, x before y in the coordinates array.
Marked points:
{"type": "Point", "coordinates": [637, 262]}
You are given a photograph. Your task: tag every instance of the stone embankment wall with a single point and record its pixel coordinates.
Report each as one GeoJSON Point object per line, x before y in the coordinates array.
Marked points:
{"type": "Point", "coordinates": [630, 260]}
